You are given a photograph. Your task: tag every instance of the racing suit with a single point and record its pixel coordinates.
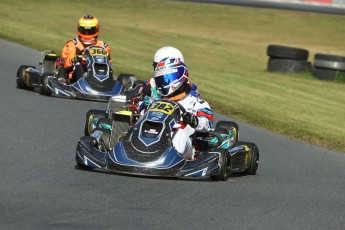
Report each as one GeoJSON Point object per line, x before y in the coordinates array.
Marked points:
{"type": "Point", "coordinates": [181, 137]}
{"type": "Point", "coordinates": [72, 49]}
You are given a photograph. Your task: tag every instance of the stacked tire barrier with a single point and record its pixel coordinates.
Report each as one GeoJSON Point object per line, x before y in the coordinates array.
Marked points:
{"type": "Point", "coordinates": [286, 59]}
{"type": "Point", "coordinates": [328, 67]}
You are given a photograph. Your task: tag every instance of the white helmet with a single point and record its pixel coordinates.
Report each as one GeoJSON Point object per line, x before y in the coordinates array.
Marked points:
{"type": "Point", "coordinates": [164, 52]}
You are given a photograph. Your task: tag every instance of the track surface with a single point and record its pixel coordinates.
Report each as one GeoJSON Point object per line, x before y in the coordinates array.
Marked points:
{"type": "Point", "coordinates": [298, 186]}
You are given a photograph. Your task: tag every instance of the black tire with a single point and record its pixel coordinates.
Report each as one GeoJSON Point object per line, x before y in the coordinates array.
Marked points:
{"type": "Point", "coordinates": [330, 57]}
{"type": "Point", "coordinates": [253, 158]}
{"type": "Point", "coordinates": [124, 79]}
{"type": "Point", "coordinates": [288, 65]}
{"type": "Point", "coordinates": [229, 126]}
{"type": "Point", "coordinates": [286, 52]}
{"type": "Point", "coordinates": [328, 74]}
{"type": "Point", "coordinates": [225, 168]}
{"type": "Point", "coordinates": [120, 128]}
{"type": "Point", "coordinates": [20, 76]}
{"type": "Point", "coordinates": [44, 90]}
{"type": "Point", "coordinates": [88, 119]}
{"type": "Point", "coordinates": [105, 138]}
{"type": "Point", "coordinates": [329, 61]}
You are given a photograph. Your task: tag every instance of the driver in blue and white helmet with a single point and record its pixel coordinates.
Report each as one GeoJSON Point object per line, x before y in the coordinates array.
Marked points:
{"type": "Point", "coordinates": [149, 87]}
{"type": "Point", "coordinates": [171, 80]}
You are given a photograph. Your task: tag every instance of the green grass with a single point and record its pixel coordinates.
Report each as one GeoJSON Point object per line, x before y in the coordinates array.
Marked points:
{"type": "Point", "coordinates": [224, 49]}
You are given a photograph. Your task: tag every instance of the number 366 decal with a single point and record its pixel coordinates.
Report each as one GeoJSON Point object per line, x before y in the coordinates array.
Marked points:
{"type": "Point", "coordinates": [98, 52]}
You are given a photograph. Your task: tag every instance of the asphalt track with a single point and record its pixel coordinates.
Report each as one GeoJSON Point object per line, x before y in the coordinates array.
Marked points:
{"type": "Point", "coordinates": [297, 186]}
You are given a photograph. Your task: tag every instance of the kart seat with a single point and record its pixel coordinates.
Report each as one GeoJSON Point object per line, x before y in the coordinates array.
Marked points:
{"type": "Point", "coordinates": [208, 140]}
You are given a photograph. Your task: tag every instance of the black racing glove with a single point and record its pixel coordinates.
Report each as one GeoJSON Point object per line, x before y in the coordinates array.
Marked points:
{"type": "Point", "coordinates": [143, 91]}
{"type": "Point", "coordinates": [190, 119]}
{"type": "Point", "coordinates": [77, 59]}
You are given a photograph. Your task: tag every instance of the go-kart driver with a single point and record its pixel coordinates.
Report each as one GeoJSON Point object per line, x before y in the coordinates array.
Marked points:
{"type": "Point", "coordinates": [149, 87]}
{"type": "Point", "coordinates": [171, 80]}
{"type": "Point", "coordinates": [71, 57]}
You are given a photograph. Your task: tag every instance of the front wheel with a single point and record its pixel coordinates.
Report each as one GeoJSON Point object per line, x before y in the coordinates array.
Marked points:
{"type": "Point", "coordinates": [103, 137]}
{"type": "Point", "coordinates": [224, 168]}
{"type": "Point", "coordinates": [44, 90]}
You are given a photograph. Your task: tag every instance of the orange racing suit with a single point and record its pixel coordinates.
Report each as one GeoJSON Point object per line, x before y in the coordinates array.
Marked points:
{"type": "Point", "coordinates": [75, 47]}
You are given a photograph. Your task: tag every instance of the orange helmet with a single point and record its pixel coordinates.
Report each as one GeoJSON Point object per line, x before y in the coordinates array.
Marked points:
{"type": "Point", "coordinates": [88, 29]}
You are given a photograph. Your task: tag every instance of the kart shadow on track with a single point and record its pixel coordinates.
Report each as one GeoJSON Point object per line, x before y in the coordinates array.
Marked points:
{"type": "Point", "coordinates": [196, 179]}
{"type": "Point", "coordinates": [200, 179]}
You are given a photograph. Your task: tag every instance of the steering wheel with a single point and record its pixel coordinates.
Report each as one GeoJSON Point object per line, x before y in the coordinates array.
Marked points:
{"type": "Point", "coordinates": [183, 110]}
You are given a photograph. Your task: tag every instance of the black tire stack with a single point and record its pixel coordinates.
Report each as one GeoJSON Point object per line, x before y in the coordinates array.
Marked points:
{"type": "Point", "coordinates": [287, 59]}
{"type": "Point", "coordinates": [328, 67]}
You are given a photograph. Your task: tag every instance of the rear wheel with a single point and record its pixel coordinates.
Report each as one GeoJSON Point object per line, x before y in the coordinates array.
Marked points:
{"type": "Point", "coordinates": [253, 158]}
{"type": "Point", "coordinates": [90, 115]}
{"type": "Point", "coordinates": [224, 168]}
{"type": "Point", "coordinates": [20, 76]}
{"type": "Point", "coordinates": [124, 78]}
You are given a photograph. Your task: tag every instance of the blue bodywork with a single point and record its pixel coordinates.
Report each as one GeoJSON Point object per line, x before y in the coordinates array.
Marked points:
{"type": "Point", "coordinates": [147, 149]}
{"type": "Point", "coordinates": [97, 83]}
{"type": "Point", "coordinates": [82, 90]}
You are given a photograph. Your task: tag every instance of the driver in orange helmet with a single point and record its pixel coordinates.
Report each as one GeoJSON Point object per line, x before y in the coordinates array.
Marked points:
{"type": "Point", "coordinates": [71, 57]}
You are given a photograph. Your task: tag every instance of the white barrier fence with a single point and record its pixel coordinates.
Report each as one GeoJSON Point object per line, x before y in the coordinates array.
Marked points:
{"type": "Point", "coordinates": [334, 3]}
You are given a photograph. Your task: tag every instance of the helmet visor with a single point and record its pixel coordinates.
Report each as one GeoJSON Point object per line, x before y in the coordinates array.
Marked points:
{"type": "Point", "coordinates": [164, 80]}
{"type": "Point", "coordinates": [88, 30]}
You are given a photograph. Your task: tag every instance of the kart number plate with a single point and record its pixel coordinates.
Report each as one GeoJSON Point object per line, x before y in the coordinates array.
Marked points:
{"type": "Point", "coordinates": [98, 52]}
{"type": "Point", "coordinates": [163, 107]}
